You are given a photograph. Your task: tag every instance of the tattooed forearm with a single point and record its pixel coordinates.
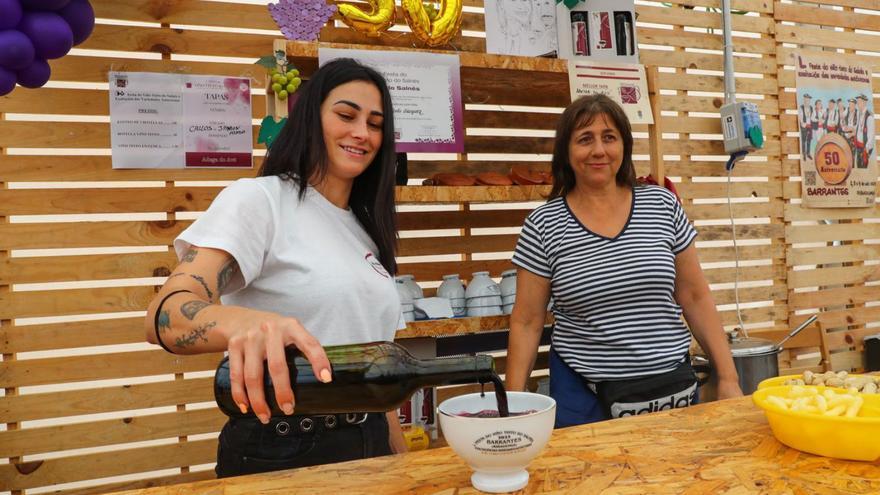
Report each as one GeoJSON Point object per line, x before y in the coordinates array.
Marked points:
{"type": "Point", "coordinates": [190, 255]}
{"type": "Point", "coordinates": [225, 275]}
{"type": "Point", "coordinates": [201, 280]}
{"type": "Point", "coordinates": [164, 321]}
{"type": "Point", "coordinates": [191, 308]}
{"type": "Point", "coordinates": [195, 335]}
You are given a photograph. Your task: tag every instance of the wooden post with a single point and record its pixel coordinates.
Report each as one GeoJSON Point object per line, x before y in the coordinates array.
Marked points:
{"type": "Point", "coordinates": [655, 130]}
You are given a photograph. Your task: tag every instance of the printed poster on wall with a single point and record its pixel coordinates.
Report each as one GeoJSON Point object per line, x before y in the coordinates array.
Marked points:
{"type": "Point", "coordinates": [179, 121]}
{"type": "Point", "coordinates": [426, 92]}
{"type": "Point", "coordinates": [517, 27]}
{"type": "Point", "coordinates": [837, 136]}
{"type": "Point", "coordinates": [623, 83]}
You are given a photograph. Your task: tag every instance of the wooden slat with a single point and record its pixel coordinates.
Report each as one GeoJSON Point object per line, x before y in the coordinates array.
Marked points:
{"type": "Point", "coordinates": [424, 169]}
{"type": "Point", "coordinates": [719, 233]}
{"type": "Point", "coordinates": [482, 194]}
{"type": "Point", "coordinates": [74, 301]}
{"type": "Point", "coordinates": [835, 232]}
{"type": "Point", "coordinates": [85, 368]}
{"type": "Point", "coordinates": [436, 269]}
{"type": "Point", "coordinates": [87, 267]}
{"type": "Point", "coordinates": [832, 254]}
{"type": "Point", "coordinates": [833, 276]}
{"type": "Point", "coordinates": [666, 15]}
{"type": "Point", "coordinates": [28, 441]}
{"type": "Point", "coordinates": [806, 14]}
{"type": "Point", "coordinates": [772, 251]}
{"type": "Point", "coordinates": [692, 190]}
{"type": "Point", "coordinates": [106, 464]}
{"type": "Point", "coordinates": [117, 200]}
{"type": "Point", "coordinates": [423, 246]}
{"type": "Point", "coordinates": [832, 297]}
{"type": "Point", "coordinates": [825, 38]}
{"type": "Point", "coordinates": [98, 168]}
{"type": "Point", "coordinates": [106, 399]}
{"type": "Point", "coordinates": [71, 334]}
{"type": "Point", "coordinates": [473, 219]}
{"type": "Point", "coordinates": [686, 39]}
{"type": "Point", "coordinates": [798, 212]}
{"type": "Point", "coordinates": [90, 234]}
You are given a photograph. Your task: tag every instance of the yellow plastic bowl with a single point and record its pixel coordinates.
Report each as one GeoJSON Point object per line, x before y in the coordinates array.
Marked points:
{"type": "Point", "coordinates": [780, 380]}
{"type": "Point", "coordinates": [829, 436]}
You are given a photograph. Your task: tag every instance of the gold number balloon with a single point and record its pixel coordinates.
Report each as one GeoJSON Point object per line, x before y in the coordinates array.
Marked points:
{"type": "Point", "coordinates": [380, 18]}
{"type": "Point", "coordinates": [433, 27]}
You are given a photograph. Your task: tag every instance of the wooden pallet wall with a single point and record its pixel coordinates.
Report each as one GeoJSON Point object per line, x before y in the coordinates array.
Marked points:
{"type": "Point", "coordinates": [89, 407]}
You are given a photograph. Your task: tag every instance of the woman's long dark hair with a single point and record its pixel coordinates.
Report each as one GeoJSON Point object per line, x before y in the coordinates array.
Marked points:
{"type": "Point", "coordinates": [299, 153]}
{"type": "Point", "coordinates": [582, 112]}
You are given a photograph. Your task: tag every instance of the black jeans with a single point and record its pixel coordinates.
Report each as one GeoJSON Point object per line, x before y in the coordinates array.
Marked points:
{"type": "Point", "coordinates": [246, 446]}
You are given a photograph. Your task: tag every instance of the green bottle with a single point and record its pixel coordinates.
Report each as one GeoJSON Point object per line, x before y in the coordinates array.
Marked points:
{"type": "Point", "coordinates": [373, 377]}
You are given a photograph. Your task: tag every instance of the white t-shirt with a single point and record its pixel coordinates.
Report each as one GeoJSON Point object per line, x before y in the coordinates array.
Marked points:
{"type": "Point", "coordinates": [307, 259]}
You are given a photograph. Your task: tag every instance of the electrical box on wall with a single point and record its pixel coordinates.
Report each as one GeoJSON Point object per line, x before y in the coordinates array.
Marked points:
{"type": "Point", "coordinates": [741, 125]}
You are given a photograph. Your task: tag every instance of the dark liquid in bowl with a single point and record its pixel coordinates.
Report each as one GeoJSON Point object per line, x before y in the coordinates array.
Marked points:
{"type": "Point", "coordinates": [492, 413]}
{"type": "Point", "coordinates": [500, 397]}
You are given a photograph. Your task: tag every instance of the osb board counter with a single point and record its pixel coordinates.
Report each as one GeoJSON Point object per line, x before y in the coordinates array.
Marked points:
{"type": "Point", "coordinates": [717, 448]}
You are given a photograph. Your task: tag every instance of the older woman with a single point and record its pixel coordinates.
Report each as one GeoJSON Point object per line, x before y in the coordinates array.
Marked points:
{"type": "Point", "coordinates": [620, 263]}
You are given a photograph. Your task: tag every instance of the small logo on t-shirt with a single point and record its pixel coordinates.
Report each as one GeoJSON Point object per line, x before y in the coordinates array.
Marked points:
{"type": "Point", "coordinates": [374, 262]}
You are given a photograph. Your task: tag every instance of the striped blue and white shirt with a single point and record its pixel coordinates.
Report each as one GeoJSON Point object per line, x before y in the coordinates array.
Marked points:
{"type": "Point", "coordinates": [616, 316]}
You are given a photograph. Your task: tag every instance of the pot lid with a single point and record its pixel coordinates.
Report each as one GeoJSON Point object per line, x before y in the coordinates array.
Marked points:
{"type": "Point", "coordinates": [751, 346]}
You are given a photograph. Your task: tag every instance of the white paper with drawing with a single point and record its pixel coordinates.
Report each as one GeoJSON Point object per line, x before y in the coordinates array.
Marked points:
{"type": "Point", "coordinates": [520, 27]}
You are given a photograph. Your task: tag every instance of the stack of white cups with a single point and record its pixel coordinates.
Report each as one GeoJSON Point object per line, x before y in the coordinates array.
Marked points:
{"type": "Point", "coordinates": [415, 292]}
{"type": "Point", "coordinates": [406, 300]}
{"type": "Point", "coordinates": [483, 296]}
{"type": "Point", "coordinates": [508, 290]}
{"type": "Point", "coordinates": [452, 289]}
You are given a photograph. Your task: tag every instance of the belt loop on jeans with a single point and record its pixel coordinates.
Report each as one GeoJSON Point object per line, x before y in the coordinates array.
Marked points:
{"type": "Point", "coordinates": [307, 424]}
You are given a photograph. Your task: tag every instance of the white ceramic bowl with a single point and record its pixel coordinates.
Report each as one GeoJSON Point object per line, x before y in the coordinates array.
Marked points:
{"type": "Point", "coordinates": [507, 309]}
{"type": "Point", "coordinates": [508, 282]}
{"type": "Point", "coordinates": [508, 299]}
{"type": "Point", "coordinates": [498, 449]}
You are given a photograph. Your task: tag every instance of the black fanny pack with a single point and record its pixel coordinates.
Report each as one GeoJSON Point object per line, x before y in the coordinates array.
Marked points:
{"type": "Point", "coordinates": [634, 396]}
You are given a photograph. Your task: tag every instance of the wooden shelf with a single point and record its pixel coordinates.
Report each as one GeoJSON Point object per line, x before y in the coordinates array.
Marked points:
{"type": "Point", "coordinates": [309, 50]}
{"type": "Point", "coordinates": [458, 326]}
{"type": "Point", "coordinates": [469, 194]}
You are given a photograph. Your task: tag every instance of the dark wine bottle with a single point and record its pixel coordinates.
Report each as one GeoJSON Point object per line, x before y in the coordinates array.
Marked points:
{"type": "Point", "coordinates": [373, 377]}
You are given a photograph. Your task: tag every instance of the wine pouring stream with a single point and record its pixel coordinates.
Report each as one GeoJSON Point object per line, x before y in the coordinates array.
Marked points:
{"type": "Point", "coordinates": [373, 377]}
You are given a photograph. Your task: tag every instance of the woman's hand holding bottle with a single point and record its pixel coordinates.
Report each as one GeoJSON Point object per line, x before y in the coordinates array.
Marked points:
{"type": "Point", "coordinates": [262, 338]}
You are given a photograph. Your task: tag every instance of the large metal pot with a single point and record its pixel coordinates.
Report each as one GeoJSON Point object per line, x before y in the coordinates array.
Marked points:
{"type": "Point", "coordinates": [755, 360]}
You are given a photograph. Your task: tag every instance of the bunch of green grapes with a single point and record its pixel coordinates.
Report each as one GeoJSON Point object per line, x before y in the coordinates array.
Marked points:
{"type": "Point", "coordinates": [283, 84]}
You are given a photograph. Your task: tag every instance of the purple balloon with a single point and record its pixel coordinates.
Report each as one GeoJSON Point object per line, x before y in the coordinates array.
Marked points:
{"type": "Point", "coordinates": [35, 75]}
{"type": "Point", "coordinates": [49, 32]}
{"type": "Point", "coordinates": [7, 81]}
{"type": "Point", "coordinates": [11, 13]}
{"type": "Point", "coordinates": [16, 50]}
{"type": "Point", "coordinates": [81, 18]}
{"type": "Point", "coordinates": [44, 4]}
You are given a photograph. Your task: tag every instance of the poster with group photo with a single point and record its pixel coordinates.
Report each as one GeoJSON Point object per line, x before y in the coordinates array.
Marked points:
{"type": "Point", "coordinates": [426, 93]}
{"type": "Point", "coordinates": [837, 136]}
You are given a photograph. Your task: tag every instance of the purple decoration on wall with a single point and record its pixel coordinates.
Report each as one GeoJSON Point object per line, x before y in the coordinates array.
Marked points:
{"type": "Point", "coordinates": [80, 15]}
{"type": "Point", "coordinates": [11, 10]}
{"type": "Point", "coordinates": [7, 81]}
{"type": "Point", "coordinates": [35, 75]}
{"type": "Point", "coordinates": [301, 20]}
{"type": "Point", "coordinates": [49, 32]}
{"type": "Point", "coordinates": [16, 50]}
{"type": "Point", "coordinates": [43, 4]}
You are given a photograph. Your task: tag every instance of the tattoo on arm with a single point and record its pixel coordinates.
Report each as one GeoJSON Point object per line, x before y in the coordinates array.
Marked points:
{"type": "Point", "coordinates": [191, 308]}
{"type": "Point", "coordinates": [177, 274]}
{"type": "Point", "coordinates": [190, 255]}
{"type": "Point", "coordinates": [195, 335]}
{"type": "Point", "coordinates": [225, 275]}
{"type": "Point", "coordinates": [201, 280]}
{"type": "Point", "coordinates": [164, 321]}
